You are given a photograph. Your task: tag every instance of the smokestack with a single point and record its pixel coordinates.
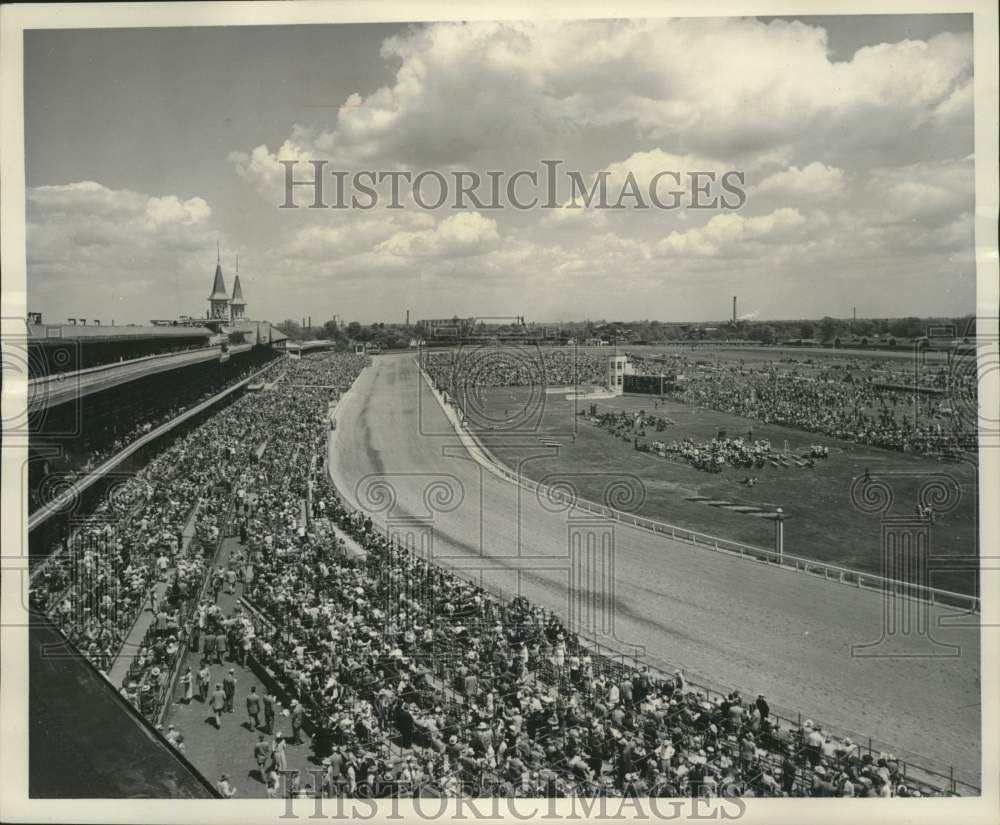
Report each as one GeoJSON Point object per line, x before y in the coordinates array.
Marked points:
{"type": "Point", "coordinates": [855, 314]}
{"type": "Point", "coordinates": [310, 322]}
{"type": "Point", "coordinates": [407, 317]}
{"type": "Point", "coordinates": [734, 309]}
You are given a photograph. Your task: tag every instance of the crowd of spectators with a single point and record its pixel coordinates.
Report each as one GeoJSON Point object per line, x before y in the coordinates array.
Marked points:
{"type": "Point", "coordinates": [860, 400]}
{"type": "Point", "coordinates": [75, 461]}
{"type": "Point", "coordinates": [461, 370]}
{"type": "Point", "coordinates": [712, 456]}
{"type": "Point", "coordinates": [97, 580]}
{"type": "Point", "coordinates": [410, 679]}
{"type": "Point", "coordinates": [418, 681]}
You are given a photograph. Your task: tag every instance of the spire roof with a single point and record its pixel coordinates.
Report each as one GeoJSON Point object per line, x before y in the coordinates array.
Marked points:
{"type": "Point", "coordinates": [219, 287]}
{"type": "Point", "coordinates": [237, 298]}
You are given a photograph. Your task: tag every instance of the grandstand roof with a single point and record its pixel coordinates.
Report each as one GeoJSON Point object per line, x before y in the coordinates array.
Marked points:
{"type": "Point", "coordinates": [237, 299]}
{"type": "Point", "coordinates": [78, 720]}
{"type": "Point", "coordinates": [57, 332]}
{"type": "Point", "coordinates": [219, 287]}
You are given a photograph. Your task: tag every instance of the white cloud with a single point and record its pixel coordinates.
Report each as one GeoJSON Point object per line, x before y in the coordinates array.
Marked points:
{"type": "Point", "coordinates": [541, 85]}
{"type": "Point", "coordinates": [928, 192]}
{"type": "Point", "coordinates": [109, 253]}
{"type": "Point", "coordinates": [458, 236]}
{"type": "Point", "coordinates": [171, 209]}
{"type": "Point", "coordinates": [727, 233]}
{"type": "Point", "coordinates": [817, 181]}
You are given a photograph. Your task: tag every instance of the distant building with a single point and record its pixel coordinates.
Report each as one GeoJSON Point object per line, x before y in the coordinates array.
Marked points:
{"type": "Point", "coordinates": [218, 301]}
{"type": "Point", "coordinates": [236, 304]}
{"type": "Point", "coordinates": [618, 368]}
{"type": "Point", "coordinates": [222, 309]}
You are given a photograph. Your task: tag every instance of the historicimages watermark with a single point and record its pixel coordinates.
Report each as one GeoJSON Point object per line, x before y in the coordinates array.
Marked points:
{"type": "Point", "coordinates": [547, 187]}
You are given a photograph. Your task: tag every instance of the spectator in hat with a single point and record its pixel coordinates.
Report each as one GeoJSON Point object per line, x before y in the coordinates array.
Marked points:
{"type": "Point", "coordinates": [262, 756]}
{"type": "Point", "coordinates": [253, 707]}
{"type": "Point", "coordinates": [221, 646]}
{"type": "Point", "coordinates": [269, 702]}
{"type": "Point", "coordinates": [225, 788]}
{"type": "Point", "coordinates": [218, 704]}
{"type": "Point", "coordinates": [296, 716]}
{"type": "Point", "coordinates": [229, 688]}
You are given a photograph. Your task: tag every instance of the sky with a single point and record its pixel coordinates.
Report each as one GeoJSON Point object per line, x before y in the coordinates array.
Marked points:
{"type": "Point", "coordinates": [146, 147]}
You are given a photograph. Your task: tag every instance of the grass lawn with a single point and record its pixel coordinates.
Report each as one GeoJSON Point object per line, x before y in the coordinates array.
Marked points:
{"type": "Point", "coordinates": [823, 523]}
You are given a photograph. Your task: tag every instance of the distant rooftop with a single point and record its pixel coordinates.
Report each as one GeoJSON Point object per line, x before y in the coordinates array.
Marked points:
{"type": "Point", "coordinates": [119, 333]}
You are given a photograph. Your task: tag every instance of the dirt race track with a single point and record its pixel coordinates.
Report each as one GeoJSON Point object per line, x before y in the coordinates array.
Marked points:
{"type": "Point", "coordinates": [727, 622]}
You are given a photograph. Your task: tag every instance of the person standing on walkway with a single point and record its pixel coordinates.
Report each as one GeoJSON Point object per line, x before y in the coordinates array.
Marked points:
{"type": "Point", "coordinates": [253, 707]}
{"type": "Point", "coordinates": [296, 719]}
{"type": "Point", "coordinates": [262, 754]}
{"type": "Point", "coordinates": [204, 680]}
{"type": "Point", "coordinates": [221, 646]}
{"type": "Point", "coordinates": [187, 680]}
{"type": "Point", "coordinates": [269, 700]}
{"type": "Point", "coordinates": [229, 688]}
{"type": "Point", "coordinates": [280, 757]}
{"type": "Point", "coordinates": [273, 784]}
{"type": "Point", "coordinates": [218, 705]}
{"type": "Point", "coordinates": [209, 650]}
{"type": "Point", "coordinates": [224, 787]}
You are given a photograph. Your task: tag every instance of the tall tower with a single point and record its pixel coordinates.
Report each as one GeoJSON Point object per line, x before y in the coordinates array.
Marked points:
{"type": "Point", "coordinates": [237, 304]}
{"type": "Point", "coordinates": [218, 301]}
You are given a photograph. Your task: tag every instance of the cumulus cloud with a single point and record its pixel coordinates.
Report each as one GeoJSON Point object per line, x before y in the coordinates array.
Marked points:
{"type": "Point", "coordinates": [854, 168]}
{"type": "Point", "coordinates": [459, 236]}
{"type": "Point", "coordinates": [817, 181]}
{"type": "Point", "coordinates": [545, 83]}
{"type": "Point", "coordinates": [727, 233]}
{"type": "Point", "coordinates": [99, 252]}
{"type": "Point", "coordinates": [928, 192]}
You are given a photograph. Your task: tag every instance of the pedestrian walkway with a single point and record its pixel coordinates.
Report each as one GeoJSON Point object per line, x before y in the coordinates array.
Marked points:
{"type": "Point", "coordinates": [351, 546]}
{"type": "Point", "coordinates": [230, 749]}
{"type": "Point", "coordinates": [123, 661]}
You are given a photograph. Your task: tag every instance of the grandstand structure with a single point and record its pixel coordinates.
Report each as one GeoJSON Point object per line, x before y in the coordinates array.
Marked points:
{"type": "Point", "coordinates": [95, 390]}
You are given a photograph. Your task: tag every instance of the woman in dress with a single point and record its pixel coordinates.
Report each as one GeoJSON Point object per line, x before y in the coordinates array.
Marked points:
{"type": "Point", "coordinates": [280, 758]}
{"type": "Point", "coordinates": [187, 685]}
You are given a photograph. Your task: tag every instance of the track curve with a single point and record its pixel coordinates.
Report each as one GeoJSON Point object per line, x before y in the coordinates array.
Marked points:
{"type": "Point", "coordinates": [728, 622]}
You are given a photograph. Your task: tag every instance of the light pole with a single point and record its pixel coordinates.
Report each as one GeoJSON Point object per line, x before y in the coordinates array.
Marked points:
{"type": "Point", "coordinates": [779, 533]}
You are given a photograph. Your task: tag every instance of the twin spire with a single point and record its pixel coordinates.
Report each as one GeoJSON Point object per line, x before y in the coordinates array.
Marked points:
{"type": "Point", "coordinates": [221, 306]}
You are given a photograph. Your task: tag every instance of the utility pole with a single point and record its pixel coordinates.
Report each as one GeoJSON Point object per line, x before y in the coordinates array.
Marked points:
{"type": "Point", "coordinates": [779, 534]}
